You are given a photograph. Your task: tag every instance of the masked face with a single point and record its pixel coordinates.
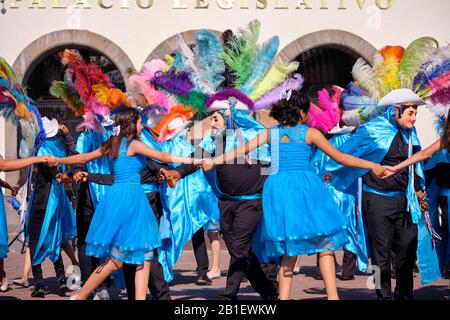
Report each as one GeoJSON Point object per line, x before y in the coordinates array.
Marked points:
{"type": "Point", "coordinates": [406, 116]}
{"type": "Point", "coordinates": [174, 126]}
{"type": "Point", "coordinates": [217, 121]}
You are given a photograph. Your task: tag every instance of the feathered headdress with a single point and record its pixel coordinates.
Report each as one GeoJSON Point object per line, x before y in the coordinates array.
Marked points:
{"type": "Point", "coordinates": [18, 108]}
{"type": "Point", "coordinates": [392, 67]}
{"type": "Point", "coordinates": [87, 90]}
{"type": "Point", "coordinates": [326, 114]}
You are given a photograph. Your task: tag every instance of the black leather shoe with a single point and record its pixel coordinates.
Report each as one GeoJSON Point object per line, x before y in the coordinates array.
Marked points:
{"type": "Point", "coordinates": [346, 278]}
{"type": "Point", "coordinates": [203, 281]}
{"type": "Point", "coordinates": [38, 291]}
{"type": "Point", "coordinates": [62, 286]}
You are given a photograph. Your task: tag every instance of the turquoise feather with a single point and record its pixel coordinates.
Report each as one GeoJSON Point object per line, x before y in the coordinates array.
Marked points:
{"type": "Point", "coordinates": [207, 52]}
{"type": "Point", "coordinates": [262, 64]}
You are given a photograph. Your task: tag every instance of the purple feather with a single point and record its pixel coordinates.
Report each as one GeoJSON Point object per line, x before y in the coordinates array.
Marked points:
{"type": "Point", "coordinates": [227, 93]}
{"type": "Point", "coordinates": [442, 96]}
{"type": "Point", "coordinates": [294, 83]}
{"type": "Point", "coordinates": [177, 83]}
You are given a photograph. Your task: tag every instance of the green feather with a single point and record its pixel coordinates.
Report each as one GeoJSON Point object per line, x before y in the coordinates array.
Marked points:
{"type": "Point", "coordinates": [241, 52]}
{"type": "Point", "coordinates": [278, 72]}
{"type": "Point", "coordinates": [7, 69]}
{"type": "Point", "coordinates": [414, 54]}
{"type": "Point", "coordinates": [195, 100]}
{"type": "Point", "coordinates": [62, 90]}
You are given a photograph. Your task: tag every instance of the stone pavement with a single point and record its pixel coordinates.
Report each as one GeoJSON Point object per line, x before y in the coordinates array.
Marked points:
{"type": "Point", "coordinates": [305, 286]}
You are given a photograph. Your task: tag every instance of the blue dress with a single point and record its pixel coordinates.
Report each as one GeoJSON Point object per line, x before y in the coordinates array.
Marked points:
{"type": "Point", "coordinates": [3, 228]}
{"type": "Point", "coordinates": [124, 226]}
{"type": "Point", "coordinates": [299, 213]}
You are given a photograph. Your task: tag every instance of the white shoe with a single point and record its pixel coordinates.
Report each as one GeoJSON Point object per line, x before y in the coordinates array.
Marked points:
{"type": "Point", "coordinates": [4, 283]}
{"type": "Point", "coordinates": [101, 294]}
{"type": "Point", "coordinates": [212, 276]}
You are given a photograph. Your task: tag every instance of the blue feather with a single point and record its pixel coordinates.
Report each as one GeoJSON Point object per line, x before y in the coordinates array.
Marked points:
{"type": "Point", "coordinates": [207, 52]}
{"type": "Point", "coordinates": [262, 64]}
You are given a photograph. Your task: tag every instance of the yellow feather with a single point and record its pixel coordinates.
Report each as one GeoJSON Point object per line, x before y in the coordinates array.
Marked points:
{"type": "Point", "coordinates": [21, 111]}
{"type": "Point", "coordinates": [278, 72]}
{"type": "Point", "coordinates": [169, 61]}
{"type": "Point", "coordinates": [101, 92]}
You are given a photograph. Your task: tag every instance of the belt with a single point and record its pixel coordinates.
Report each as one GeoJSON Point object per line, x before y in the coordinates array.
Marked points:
{"type": "Point", "coordinates": [385, 193]}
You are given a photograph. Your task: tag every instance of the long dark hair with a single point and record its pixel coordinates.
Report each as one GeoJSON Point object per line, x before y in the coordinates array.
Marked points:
{"type": "Point", "coordinates": [446, 136]}
{"type": "Point", "coordinates": [127, 120]}
{"type": "Point", "coordinates": [286, 112]}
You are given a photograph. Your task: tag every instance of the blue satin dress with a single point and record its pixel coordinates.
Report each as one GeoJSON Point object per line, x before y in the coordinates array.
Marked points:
{"type": "Point", "coordinates": [124, 226]}
{"type": "Point", "coordinates": [299, 213]}
{"type": "Point", "coordinates": [3, 229]}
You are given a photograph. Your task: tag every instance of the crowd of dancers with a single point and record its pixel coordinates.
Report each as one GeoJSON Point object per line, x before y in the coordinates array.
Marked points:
{"type": "Point", "coordinates": [342, 169]}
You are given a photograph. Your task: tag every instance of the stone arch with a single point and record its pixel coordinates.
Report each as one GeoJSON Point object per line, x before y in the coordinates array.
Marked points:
{"type": "Point", "coordinates": [36, 51]}
{"type": "Point", "coordinates": [344, 40]}
{"type": "Point", "coordinates": [170, 44]}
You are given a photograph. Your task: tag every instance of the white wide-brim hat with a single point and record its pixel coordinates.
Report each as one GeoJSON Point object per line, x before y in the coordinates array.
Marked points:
{"type": "Point", "coordinates": [51, 127]}
{"type": "Point", "coordinates": [401, 96]}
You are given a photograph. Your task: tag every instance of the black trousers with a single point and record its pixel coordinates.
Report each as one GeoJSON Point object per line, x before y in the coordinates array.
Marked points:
{"type": "Point", "coordinates": [200, 252]}
{"type": "Point", "coordinates": [390, 228]}
{"type": "Point", "coordinates": [238, 222]}
{"type": "Point", "coordinates": [348, 264]}
{"type": "Point", "coordinates": [158, 286]}
{"type": "Point", "coordinates": [37, 215]}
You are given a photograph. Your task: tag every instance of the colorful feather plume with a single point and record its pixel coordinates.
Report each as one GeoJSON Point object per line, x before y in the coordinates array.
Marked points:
{"type": "Point", "coordinates": [294, 83]}
{"type": "Point", "coordinates": [412, 60]}
{"type": "Point", "coordinates": [325, 115]}
{"type": "Point", "coordinates": [262, 64]}
{"type": "Point", "coordinates": [189, 64]}
{"type": "Point", "coordinates": [18, 108]}
{"type": "Point", "coordinates": [241, 51]}
{"type": "Point", "coordinates": [88, 91]}
{"type": "Point", "coordinates": [278, 73]}
{"type": "Point", "coordinates": [208, 50]}
{"type": "Point", "coordinates": [177, 83]}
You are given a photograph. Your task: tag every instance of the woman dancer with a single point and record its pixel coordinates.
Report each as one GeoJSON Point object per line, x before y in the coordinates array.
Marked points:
{"type": "Point", "coordinates": [304, 221]}
{"type": "Point", "coordinates": [124, 228]}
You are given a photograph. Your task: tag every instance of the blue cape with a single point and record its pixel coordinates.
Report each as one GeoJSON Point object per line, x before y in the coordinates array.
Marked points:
{"type": "Point", "coordinates": [59, 222]}
{"type": "Point", "coordinates": [371, 141]}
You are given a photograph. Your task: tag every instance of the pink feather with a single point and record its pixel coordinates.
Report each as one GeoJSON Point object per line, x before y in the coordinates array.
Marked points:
{"type": "Point", "coordinates": [325, 116]}
{"type": "Point", "coordinates": [138, 85]}
{"type": "Point", "coordinates": [439, 83]}
{"type": "Point", "coordinates": [90, 122]}
{"type": "Point", "coordinates": [151, 67]}
{"type": "Point", "coordinates": [97, 107]}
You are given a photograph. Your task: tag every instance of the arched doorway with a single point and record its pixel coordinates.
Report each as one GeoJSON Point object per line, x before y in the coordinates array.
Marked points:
{"type": "Point", "coordinates": [326, 65]}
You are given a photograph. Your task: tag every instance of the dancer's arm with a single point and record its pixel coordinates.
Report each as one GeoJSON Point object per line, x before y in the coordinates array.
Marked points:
{"type": "Point", "coordinates": [417, 157]}
{"type": "Point", "coordinates": [81, 158]}
{"type": "Point", "coordinates": [242, 150]}
{"type": "Point", "coordinates": [138, 147]}
{"type": "Point", "coordinates": [315, 137]}
{"type": "Point", "coordinates": [13, 165]}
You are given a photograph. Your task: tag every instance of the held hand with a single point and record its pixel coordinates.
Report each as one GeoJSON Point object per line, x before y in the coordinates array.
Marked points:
{"type": "Point", "coordinates": [52, 161]}
{"type": "Point", "coordinates": [14, 190]}
{"type": "Point", "coordinates": [389, 172]}
{"type": "Point", "coordinates": [168, 175]}
{"type": "Point", "coordinates": [63, 178]}
{"type": "Point", "coordinates": [80, 176]}
{"type": "Point", "coordinates": [207, 165]}
{"type": "Point", "coordinates": [198, 162]}
{"type": "Point", "coordinates": [379, 171]}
